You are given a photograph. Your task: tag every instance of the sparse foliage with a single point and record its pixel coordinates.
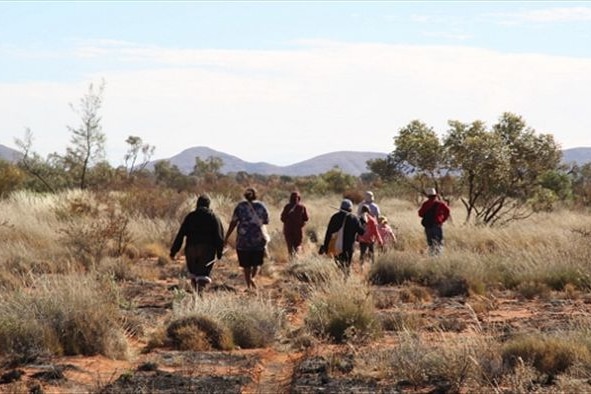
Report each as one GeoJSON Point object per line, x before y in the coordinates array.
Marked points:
{"type": "Point", "coordinates": [133, 162]}
{"type": "Point", "coordinates": [87, 143]}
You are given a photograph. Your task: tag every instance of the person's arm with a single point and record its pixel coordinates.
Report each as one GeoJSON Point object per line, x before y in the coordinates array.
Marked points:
{"type": "Point", "coordinates": [305, 216]}
{"type": "Point", "coordinates": [377, 233]}
{"type": "Point", "coordinates": [425, 207]}
{"type": "Point", "coordinates": [361, 227]}
{"type": "Point", "coordinates": [283, 216]}
{"type": "Point", "coordinates": [178, 240]}
{"type": "Point", "coordinates": [329, 230]}
{"type": "Point", "coordinates": [231, 228]}
{"type": "Point", "coordinates": [220, 241]}
{"type": "Point", "coordinates": [443, 212]}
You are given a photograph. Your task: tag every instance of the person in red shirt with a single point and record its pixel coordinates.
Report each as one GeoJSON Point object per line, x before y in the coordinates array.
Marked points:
{"type": "Point", "coordinates": [434, 213]}
{"type": "Point", "coordinates": [294, 216]}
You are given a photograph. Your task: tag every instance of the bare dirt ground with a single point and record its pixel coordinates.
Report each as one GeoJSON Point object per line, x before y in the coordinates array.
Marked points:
{"type": "Point", "coordinates": [280, 368]}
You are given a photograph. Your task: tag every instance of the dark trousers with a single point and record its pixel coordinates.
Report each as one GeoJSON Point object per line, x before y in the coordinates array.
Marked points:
{"type": "Point", "coordinates": [366, 251]}
{"type": "Point", "coordinates": [434, 239]}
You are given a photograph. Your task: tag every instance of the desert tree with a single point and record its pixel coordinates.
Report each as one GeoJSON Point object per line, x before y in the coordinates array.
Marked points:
{"type": "Point", "coordinates": [87, 143]}
{"type": "Point", "coordinates": [500, 169]}
{"type": "Point", "coordinates": [169, 175]}
{"type": "Point", "coordinates": [208, 168]}
{"type": "Point", "coordinates": [417, 159]}
{"type": "Point", "coordinates": [136, 148]}
{"type": "Point", "coordinates": [581, 183]}
{"type": "Point", "coordinates": [40, 171]}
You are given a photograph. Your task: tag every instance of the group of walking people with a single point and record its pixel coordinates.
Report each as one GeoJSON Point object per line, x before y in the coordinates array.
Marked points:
{"type": "Point", "coordinates": [205, 240]}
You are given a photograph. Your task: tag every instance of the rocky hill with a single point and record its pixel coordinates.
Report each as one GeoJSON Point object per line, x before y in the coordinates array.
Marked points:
{"type": "Point", "coordinates": [354, 163]}
{"type": "Point", "coordinates": [9, 154]}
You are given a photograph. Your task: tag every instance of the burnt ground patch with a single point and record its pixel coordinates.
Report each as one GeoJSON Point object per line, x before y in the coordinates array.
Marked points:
{"type": "Point", "coordinates": [166, 382]}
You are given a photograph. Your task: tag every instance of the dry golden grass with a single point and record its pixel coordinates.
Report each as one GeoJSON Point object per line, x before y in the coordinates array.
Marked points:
{"type": "Point", "coordinates": [546, 258]}
{"type": "Point", "coordinates": [68, 315]}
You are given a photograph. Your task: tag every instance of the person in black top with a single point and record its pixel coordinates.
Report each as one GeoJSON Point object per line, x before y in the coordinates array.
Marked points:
{"type": "Point", "coordinates": [352, 228]}
{"type": "Point", "coordinates": [204, 235]}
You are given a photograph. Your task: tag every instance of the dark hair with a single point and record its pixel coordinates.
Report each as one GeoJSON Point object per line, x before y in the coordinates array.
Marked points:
{"type": "Point", "coordinates": [364, 208]}
{"type": "Point", "coordinates": [250, 194]}
{"type": "Point", "coordinates": [203, 201]}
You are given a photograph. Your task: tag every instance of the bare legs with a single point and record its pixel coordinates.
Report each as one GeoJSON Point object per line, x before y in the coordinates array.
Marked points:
{"type": "Point", "coordinates": [249, 275]}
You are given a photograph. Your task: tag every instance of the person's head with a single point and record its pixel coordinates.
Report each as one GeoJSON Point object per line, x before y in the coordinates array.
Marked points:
{"type": "Point", "coordinates": [431, 192]}
{"type": "Point", "coordinates": [203, 201]}
{"type": "Point", "coordinates": [368, 196]}
{"type": "Point", "coordinates": [364, 209]}
{"type": "Point", "coordinates": [250, 194]}
{"type": "Point", "coordinates": [294, 197]}
{"type": "Point", "coordinates": [382, 219]}
{"type": "Point", "coordinates": [347, 205]}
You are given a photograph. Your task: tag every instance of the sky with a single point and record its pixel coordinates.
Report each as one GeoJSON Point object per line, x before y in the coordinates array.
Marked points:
{"type": "Point", "coordinates": [284, 81]}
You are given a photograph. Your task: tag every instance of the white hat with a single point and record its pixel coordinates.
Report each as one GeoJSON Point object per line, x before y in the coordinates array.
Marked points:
{"type": "Point", "coordinates": [430, 191]}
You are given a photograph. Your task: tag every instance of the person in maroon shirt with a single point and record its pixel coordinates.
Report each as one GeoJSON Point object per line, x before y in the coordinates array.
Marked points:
{"type": "Point", "coordinates": [434, 213]}
{"type": "Point", "coordinates": [294, 216]}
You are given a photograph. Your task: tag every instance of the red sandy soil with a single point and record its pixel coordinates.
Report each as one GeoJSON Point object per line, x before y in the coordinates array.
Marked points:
{"type": "Point", "coordinates": [270, 370]}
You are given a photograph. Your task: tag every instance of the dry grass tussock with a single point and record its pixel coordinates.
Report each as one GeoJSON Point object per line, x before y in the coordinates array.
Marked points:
{"type": "Point", "coordinates": [67, 315]}
{"type": "Point", "coordinates": [339, 318]}
{"type": "Point", "coordinates": [253, 322]}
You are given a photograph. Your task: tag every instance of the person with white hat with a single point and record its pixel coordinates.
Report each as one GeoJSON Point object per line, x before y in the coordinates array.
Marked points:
{"type": "Point", "coordinates": [369, 201]}
{"type": "Point", "coordinates": [434, 213]}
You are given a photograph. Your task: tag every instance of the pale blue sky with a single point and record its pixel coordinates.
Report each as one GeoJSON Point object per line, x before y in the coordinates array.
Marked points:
{"type": "Point", "coordinates": [285, 81]}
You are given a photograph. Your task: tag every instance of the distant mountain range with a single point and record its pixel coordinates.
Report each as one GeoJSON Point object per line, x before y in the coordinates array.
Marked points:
{"type": "Point", "coordinates": [350, 162]}
{"type": "Point", "coordinates": [354, 163]}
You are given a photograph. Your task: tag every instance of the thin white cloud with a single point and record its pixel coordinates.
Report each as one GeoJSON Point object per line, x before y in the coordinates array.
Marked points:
{"type": "Point", "coordinates": [448, 35]}
{"type": "Point", "coordinates": [289, 105]}
{"type": "Point", "coordinates": [548, 15]}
